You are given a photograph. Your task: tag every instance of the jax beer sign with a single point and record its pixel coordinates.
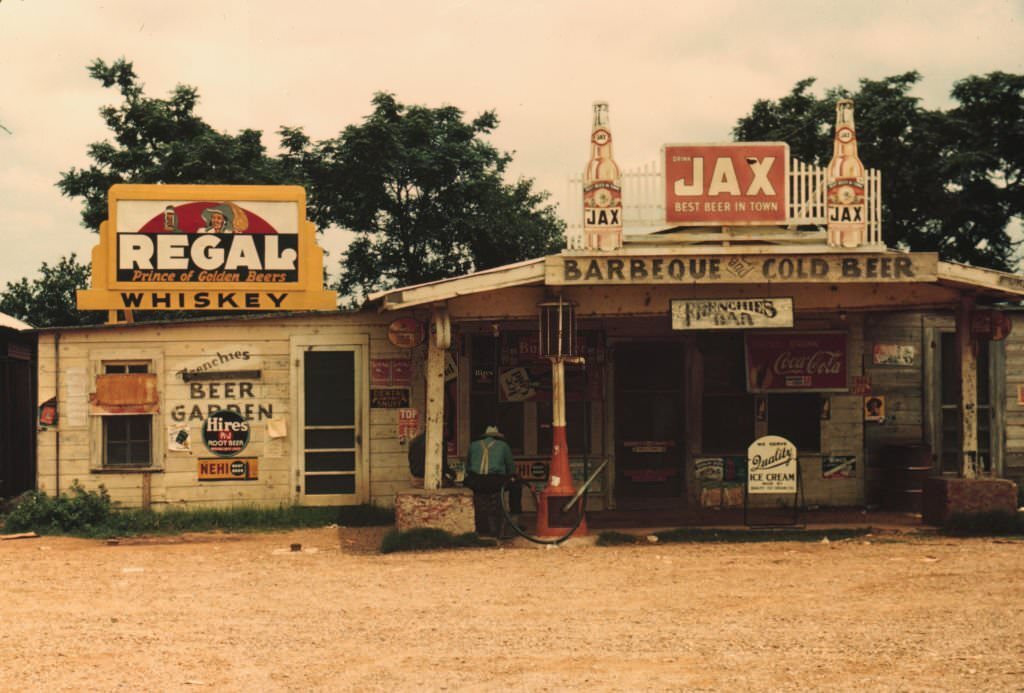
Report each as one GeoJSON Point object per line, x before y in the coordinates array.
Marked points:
{"type": "Point", "coordinates": [740, 184]}
{"type": "Point", "coordinates": [174, 247]}
{"type": "Point", "coordinates": [796, 361]}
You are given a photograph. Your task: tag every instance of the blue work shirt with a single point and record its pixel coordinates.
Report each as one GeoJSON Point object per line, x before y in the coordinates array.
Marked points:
{"type": "Point", "coordinates": [499, 456]}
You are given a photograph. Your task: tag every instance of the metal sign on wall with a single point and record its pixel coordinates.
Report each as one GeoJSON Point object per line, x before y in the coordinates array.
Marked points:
{"type": "Point", "coordinates": [738, 184]}
{"type": "Point", "coordinates": [731, 313]}
{"type": "Point", "coordinates": [796, 361]}
{"type": "Point", "coordinates": [195, 247]}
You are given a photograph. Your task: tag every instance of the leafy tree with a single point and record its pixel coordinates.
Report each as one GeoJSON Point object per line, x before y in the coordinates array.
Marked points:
{"type": "Point", "coordinates": [49, 300]}
{"type": "Point", "coordinates": [162, 141]}
{"type": "Point", "coordinates": [951, 180]}
{"type": "Point", "coordinates": [420, 186]}
{"type": "Point", "coordinates": [426, 195]}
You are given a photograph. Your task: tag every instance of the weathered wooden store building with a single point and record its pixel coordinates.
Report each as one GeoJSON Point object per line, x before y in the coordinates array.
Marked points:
{"type": "Point", "coordinates": [736, 312]}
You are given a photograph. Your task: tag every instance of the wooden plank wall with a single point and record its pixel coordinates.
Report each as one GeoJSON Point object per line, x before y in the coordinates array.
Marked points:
{"type": "Point", "coordinates": [172, 348]}
{"type": "Point", "coordinates": [1013, 461]}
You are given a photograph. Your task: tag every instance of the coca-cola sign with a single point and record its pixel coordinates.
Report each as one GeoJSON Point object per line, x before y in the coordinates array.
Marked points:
{"type": "Point", "coordinates": [796, 361]}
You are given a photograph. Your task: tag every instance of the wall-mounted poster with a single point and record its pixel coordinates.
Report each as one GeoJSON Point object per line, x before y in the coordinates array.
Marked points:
{"type": "Point", "coordinates": [874, 408]}
{"type": "Point", "coordinates": [408, 423]}
{"type": "Point", "coordinates": [838, 467]}
{"type": "Point", "coordinates": [796, 361]}
{"type": "Point", "coordinates": [893, 354]}
{"type": "Point", "coordinates": [179, 439]}
{"type": "Point", "coordinates": [389, 397]}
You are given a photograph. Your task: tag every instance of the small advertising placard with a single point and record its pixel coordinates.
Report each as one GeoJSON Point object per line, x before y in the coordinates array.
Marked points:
{"type": "Point", "coordinates": [838, 467]}
{"type": "Point", "coordinates": [389, 397]}
{"type": "Point", "coordinates": [385, 372]}
{"type": "Point", "coordinates": [796, 361]}
{"type": "Point", "coordinates": [894, 354]}
{"type": "Point", "coordinates": [408, 423]}
{"type": "Point", "coordinates": [771, 466]}
{"type": "Point", "coordinates": [710, 469]}
{"type": "Point", "coordinates": [179, 439]}
{"type": "Point", "coordinates": [406, 333]}
{"type": "Point", "coordinates": [516, 385]}
{"type": "Point", "coordinates": [238, 469]}
{"type": "Point", "coordinates": [225, 433]}
{"type": "Point", "coordinates": [874, 408]}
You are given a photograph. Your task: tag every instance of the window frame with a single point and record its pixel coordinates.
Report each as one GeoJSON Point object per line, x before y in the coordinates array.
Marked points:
{"type": "Point", "coordinates": [107, 362]}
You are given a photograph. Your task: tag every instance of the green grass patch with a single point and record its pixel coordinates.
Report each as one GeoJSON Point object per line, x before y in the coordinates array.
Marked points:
{"type": "Point", "coordinates": [430, 539]}
{"type": "Point", "coordinates": [726, 536]}
{"type": "Point", "coordinates": [617, 539]}
{"type": "Point", "coordinates": [985, 524]}
{"type": "Point", "coordinates": [91, 514]}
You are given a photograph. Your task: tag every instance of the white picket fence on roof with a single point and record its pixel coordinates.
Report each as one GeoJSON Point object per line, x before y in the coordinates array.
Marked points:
{"type": "Point", "coordinates": [643, 201]}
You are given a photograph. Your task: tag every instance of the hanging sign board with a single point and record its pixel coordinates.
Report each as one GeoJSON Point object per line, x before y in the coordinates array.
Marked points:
{"type": "Point", "coordinates": [216, 247]}
{"type": "Point", "coordinates": [737, 184]}
{"type": "Point", "coordinates": [796, 361]}
{"type": "Point", "coordinates": [731, 313]}
{"type": "Point", "coordinates": [771, 466]}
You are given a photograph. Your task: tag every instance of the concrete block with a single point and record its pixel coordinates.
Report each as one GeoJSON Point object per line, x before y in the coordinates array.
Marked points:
{"type": "Point", "coordinates": [450, 509]}
{"type": "Point", "coordinates": [944, 498]}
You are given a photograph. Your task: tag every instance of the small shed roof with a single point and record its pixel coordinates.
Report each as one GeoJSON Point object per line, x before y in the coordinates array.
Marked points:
{"type": "Point", "coordinates": [13, 323]}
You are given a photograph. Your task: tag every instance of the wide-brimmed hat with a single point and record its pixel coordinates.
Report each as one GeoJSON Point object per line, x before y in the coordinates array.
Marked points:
{"type": "Point", "coordinates": [493, 432]}
{"type": "Point", "coordinates": [224, 210]}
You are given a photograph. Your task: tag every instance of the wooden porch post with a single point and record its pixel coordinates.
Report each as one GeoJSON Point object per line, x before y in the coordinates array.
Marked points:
{"type": "Point", "coordinates": [968, 362]}
{"type": "Point", "coordinates": [438, 342]}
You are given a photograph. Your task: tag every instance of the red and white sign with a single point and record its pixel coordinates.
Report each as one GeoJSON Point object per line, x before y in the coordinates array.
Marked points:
{"type": "Point", "coordinates": [406, 333]}
{"type": "Point", "coordinates": [740, 184]}
{"type": "Point", "coordinates": [796, 361]}
{"type": "Point", "coordinates": [408, 423]}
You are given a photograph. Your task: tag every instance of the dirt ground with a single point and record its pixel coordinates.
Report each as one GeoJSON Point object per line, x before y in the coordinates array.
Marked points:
{"type": "Point", "coordinates": [243, 612]}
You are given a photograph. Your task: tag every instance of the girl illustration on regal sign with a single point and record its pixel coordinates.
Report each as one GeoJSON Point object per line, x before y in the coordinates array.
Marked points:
{"type": "Point", "coordinates": [207, 217]}
{"type": "Point", "coordinates": [224, 218]}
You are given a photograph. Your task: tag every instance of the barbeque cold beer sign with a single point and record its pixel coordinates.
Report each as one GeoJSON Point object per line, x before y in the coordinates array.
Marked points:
{"type": "Point", "coordinates": [174, 247]}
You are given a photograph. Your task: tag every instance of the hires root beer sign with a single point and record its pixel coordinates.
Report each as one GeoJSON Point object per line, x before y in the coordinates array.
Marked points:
{"type": "Point", "coordinates": [796, 361]}
{"type": "Point", "coordinates": [173, 247]}
{"type": "Point", "coordinates": [740, 184]}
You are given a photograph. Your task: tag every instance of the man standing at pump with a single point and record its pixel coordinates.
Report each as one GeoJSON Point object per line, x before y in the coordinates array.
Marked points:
{"type": "Point", "coordinates": [491, 466]}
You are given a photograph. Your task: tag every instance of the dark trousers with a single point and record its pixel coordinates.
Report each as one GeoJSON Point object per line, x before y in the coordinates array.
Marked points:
{"type": "Point", "coordinates": [487, 500]}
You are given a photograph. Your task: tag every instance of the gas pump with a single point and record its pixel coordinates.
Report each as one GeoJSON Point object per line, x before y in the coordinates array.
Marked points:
{"type": "Point", "coordinates": [560, 511]}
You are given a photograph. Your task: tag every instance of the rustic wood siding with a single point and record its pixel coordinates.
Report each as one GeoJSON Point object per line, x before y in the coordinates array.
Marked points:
{"type": "Point", "coordinates": [171, 348]}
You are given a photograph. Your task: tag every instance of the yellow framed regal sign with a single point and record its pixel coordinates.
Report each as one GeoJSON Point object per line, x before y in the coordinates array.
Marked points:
{"type": "Point", "coordinates": [207, 247]}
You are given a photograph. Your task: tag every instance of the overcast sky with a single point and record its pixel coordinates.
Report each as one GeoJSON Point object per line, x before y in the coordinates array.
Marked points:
{"type": "Point", "coordinates": [672, 71]}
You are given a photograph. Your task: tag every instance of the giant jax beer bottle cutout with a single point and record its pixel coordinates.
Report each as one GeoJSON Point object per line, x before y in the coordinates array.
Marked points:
{"type": "Point", "coordinates": [847, 209]}
{"type": "Point", "coordinates": [602, 191]}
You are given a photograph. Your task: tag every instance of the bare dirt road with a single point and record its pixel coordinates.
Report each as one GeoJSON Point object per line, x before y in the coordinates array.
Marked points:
{"type": "Point", "coordinates": [243, 612]}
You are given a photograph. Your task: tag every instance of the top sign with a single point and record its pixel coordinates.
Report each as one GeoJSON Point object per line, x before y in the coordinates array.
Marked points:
{"type": "Point", "coordinates": [173, 247]}
{"type": "Point", "coordinates": [740, 184]}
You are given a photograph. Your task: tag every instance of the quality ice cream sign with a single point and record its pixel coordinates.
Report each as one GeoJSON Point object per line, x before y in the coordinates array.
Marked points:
{"type": "Point", "coordinates": [174, 247]}
{"type": "Point", "coordinates": [771, 466]}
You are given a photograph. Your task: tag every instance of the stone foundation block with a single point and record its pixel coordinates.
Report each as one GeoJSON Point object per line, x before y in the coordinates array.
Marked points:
{"type": "Point", "coordinates": [944, 498]}
{"type": "Point", "coordinates": [450, 509]}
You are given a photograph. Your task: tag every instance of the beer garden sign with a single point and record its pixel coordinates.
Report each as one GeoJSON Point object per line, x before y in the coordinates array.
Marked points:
{"type": "Point", "coordinates": [194, 247]}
